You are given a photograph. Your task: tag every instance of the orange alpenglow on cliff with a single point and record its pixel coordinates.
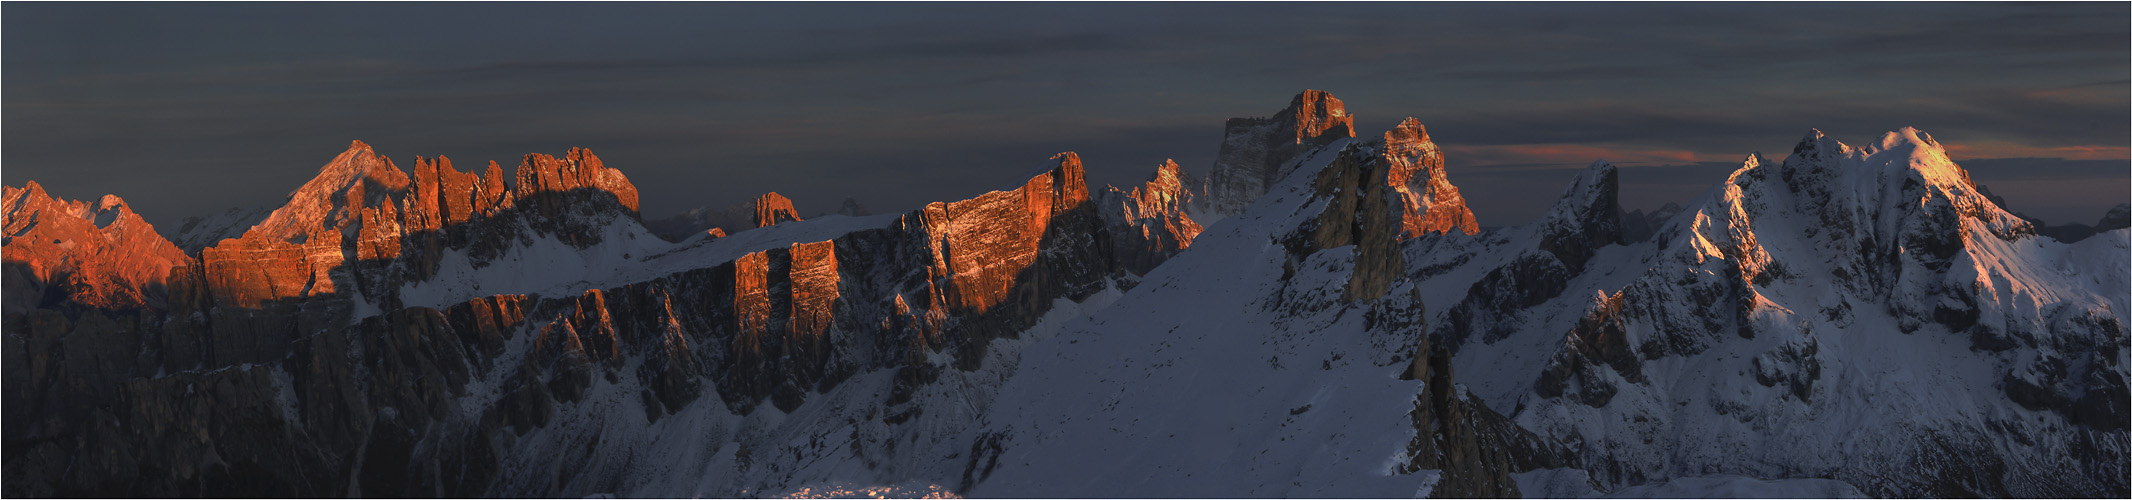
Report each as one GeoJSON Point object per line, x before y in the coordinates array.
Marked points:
{"type": "Point", "coordinates": [985, 263]}
{"type": "Point", "coordinates": [101, 255]}
{"type": "Point", "coordinates": [1432, 205]}
{"type": "Point", "coordinates": [361, 207]}
{"type": "Point", "coordinates": [773, 209]}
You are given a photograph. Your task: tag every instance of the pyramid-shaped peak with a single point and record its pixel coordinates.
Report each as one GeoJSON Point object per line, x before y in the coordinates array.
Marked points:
{"type": "Point", "coordinates": [1596, 183]}
{"type": "Point", "coordinates": [358, 162]}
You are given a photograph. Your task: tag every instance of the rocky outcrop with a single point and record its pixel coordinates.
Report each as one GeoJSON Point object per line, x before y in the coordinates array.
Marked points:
{"type": "Point", "coordinates": [1255, 152]}
{"type": "Point", "coordinates": [1148, 224]}
{"type": "Point", "coordinates": [772, 209]}
{"type": "Point", "coordinates": [1600, 339]}
{"type": "Point", "coordinates": [1377, 194]}
{"type": "Point", "coordinates": [1431, 203]}
{"type": "Point", "coordinates": [1475, 448]}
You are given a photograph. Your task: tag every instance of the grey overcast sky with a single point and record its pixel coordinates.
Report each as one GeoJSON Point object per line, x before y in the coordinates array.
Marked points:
{"type": "Point", "coordinates": [190, 108]}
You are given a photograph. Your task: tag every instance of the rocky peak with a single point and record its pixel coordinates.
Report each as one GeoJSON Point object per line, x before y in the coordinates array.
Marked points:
{"type": "Point", "coordinates": [351, 179]}
{"type": "Point", "coordinates": [1903, 179]}
{"type": "Point", "coordinates": [1164, 190]}
{"type": "Point", "coordinates": [1148, 223]}
{"type": "Point", "coordinates": [100, 255]}
{"type": "Point", "coordinates": [1254, 151]}
{"type": "Point", "coordinates": [1432, 204]}
{"type": "Point", "coordinates": [1316, 114]}
{"type": "Point", "coordinates": [772, 209]}
{"type": "Point", "coordinates": [1587, 217]}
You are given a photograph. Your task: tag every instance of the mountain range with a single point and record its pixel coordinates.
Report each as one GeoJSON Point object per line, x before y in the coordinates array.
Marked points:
{"type": "Point", "coordinates": [1319, 315]}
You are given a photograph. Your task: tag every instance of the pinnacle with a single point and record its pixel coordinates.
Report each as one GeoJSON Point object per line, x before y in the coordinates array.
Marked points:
{"type": "Point", "coordinates": [1409, 129]}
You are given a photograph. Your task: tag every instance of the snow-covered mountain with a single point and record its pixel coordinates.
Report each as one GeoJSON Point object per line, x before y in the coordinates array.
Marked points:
{"type": "Point", "coordinates": [1861, 314]}
{"type": "Point", "coordinates": [1322, 318]}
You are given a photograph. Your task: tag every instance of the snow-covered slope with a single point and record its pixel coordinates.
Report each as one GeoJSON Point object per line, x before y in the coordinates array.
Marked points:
{"type": "Point", "coordinates": [1857, 314]}
{"type": "Point", "coordinates": [1217, 376]}
{"type": "Point", "coordinates": [1848, 321]}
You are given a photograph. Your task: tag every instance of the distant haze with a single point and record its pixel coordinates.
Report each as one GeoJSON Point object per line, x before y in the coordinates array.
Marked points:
{"type": "Point", "coordinates": [187, 109]}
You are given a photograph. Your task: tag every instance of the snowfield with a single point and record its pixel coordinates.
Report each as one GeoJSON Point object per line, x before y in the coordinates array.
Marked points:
{"type": "Point", "coordinates": [1841, 324]}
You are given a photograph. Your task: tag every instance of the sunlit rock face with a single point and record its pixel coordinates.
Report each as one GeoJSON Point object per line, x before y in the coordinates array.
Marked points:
{"type": "Point", "coordinates": [98, 255]}
{"type": "Point", "coordinates": [1149, 223]}
{"type": "Point", "coordinates": [1255, 150]}
{"type": "Point", "coordinates": [363, 227]}
{"type": "Point", "coordinates": [301, 305]}
{"type": "Point", "coordinates": [985, 244]}
{"type": "Point", "coordinates": [1378, 193]}
{"type": "Point", "coordinates": [773, 208]}
{"type": "Point", "coordinates": [1430, 204]}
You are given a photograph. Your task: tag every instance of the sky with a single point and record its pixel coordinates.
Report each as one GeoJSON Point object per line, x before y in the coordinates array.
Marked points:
{"type": "Point", "coordinates": [191, 109]}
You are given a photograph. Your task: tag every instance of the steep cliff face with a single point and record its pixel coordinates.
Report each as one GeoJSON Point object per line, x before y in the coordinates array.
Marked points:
{"type": "Point", "coordinates": [99, 255]}
{"type": "Point", "coordinates": [363, 228]}
{"type": "Point", "coordinates": [1149, 224]}
{"type": "Point", "coordinates": [773, 208]}
{"type": "Point", "coordinates": [1255, 151]}
{"type": "Point", "coordinates": [1431, 203]}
